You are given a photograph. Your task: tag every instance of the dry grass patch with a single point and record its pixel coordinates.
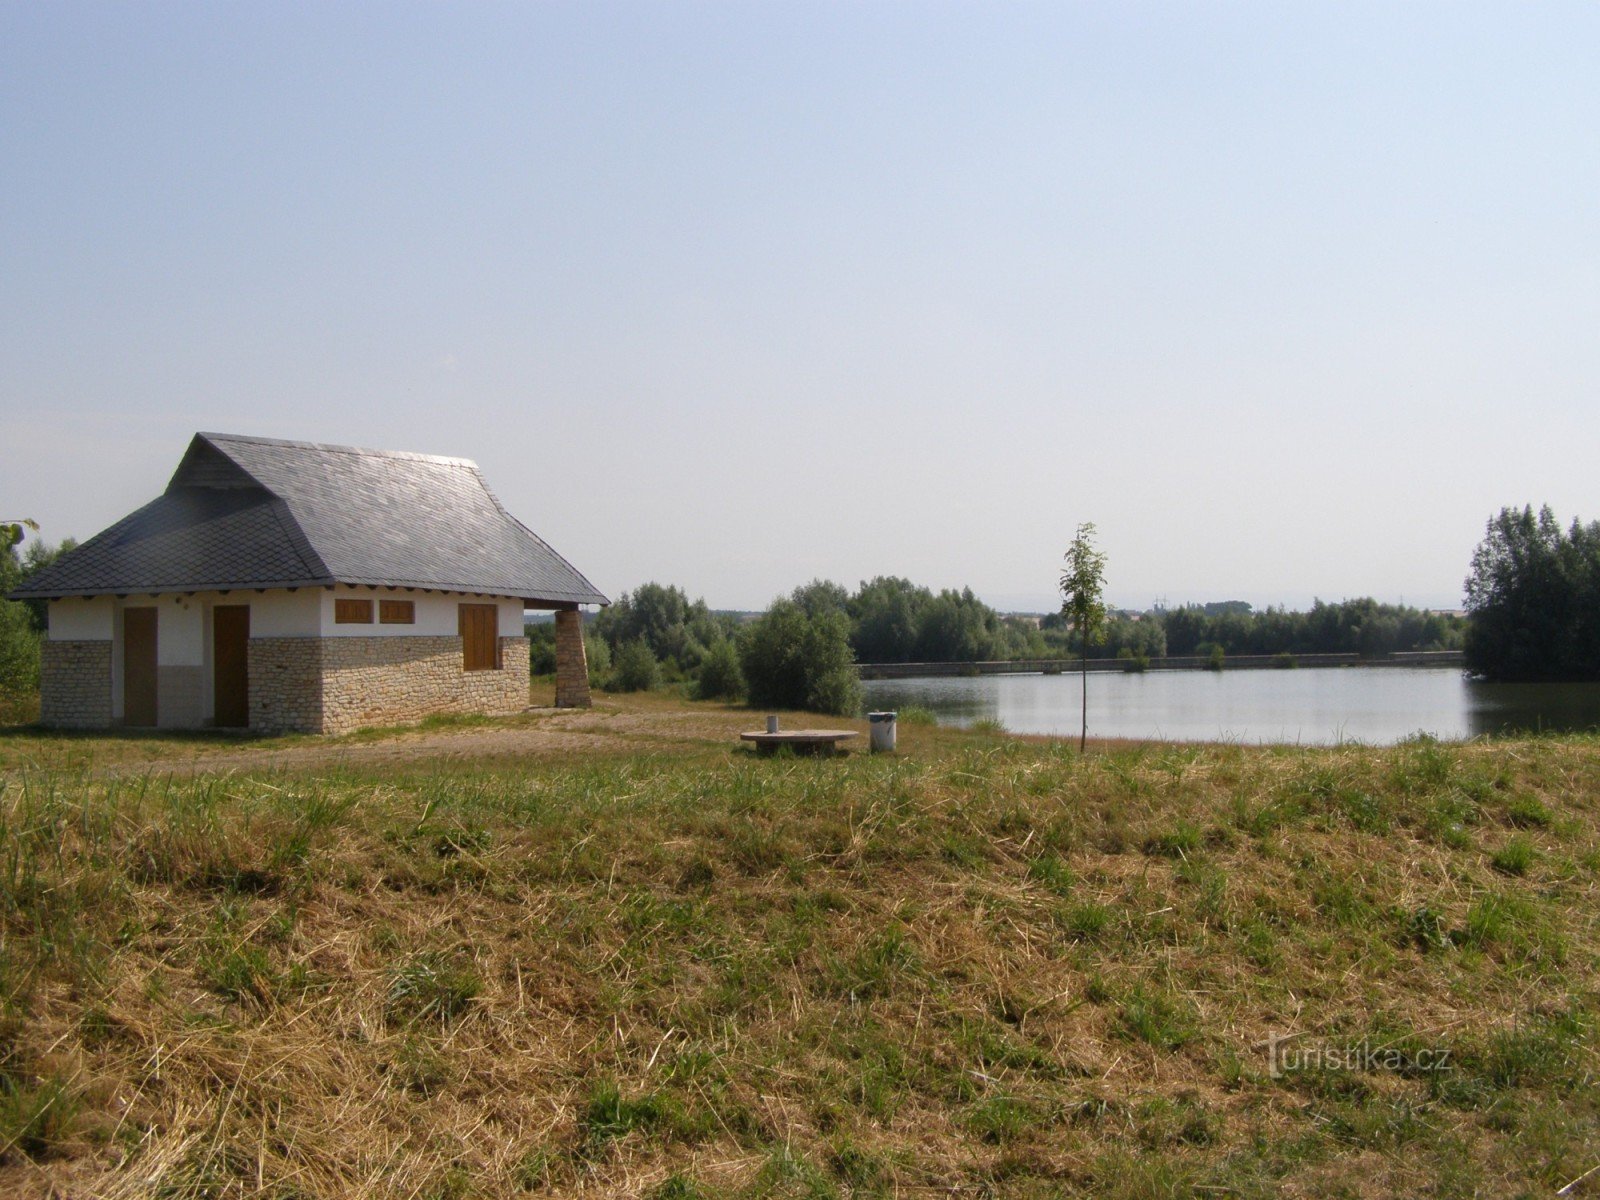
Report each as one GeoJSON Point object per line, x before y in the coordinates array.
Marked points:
{"type": "Point", "coordinates": [995, 967]}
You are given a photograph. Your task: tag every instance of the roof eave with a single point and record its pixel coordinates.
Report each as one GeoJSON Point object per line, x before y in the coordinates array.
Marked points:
{"type": "Point", "coordinates": [166, 589]}
{"type": "Point", "coordinates": [263, 585]}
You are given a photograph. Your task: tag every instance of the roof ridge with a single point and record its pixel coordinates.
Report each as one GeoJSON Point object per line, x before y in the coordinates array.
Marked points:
{"type": "Point", "coordinates": [330, 448]}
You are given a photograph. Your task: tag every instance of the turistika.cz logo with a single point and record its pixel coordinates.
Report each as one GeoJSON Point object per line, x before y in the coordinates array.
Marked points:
{"type": "Point", "coordinates": [1288, 1054]}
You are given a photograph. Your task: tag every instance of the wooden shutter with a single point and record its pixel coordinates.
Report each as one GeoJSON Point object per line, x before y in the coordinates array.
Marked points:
{"type": "Point", "coordinates": [352, 612]}
{"type": "Point", "coordinates": [480, 637]}
{"type": "Point", "coordinates": [397, 612]}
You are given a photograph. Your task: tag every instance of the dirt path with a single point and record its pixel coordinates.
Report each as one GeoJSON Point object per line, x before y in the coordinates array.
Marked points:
{"type": "Point", "coordinates": [540, 733]}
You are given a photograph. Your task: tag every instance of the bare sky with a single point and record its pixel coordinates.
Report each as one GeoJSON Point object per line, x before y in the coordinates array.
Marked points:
{"type": "Point", "coordinates": [1287, 298]}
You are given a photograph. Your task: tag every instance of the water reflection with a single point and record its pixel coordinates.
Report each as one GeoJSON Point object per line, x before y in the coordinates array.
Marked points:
{"type": "Point", "coordinates": [1324, 707]}
{"type": "Point", "coordinates": [1531, 707]}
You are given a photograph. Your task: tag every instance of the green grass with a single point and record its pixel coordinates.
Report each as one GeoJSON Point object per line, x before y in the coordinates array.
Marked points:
{"type": "Point", "coordinates": [989, 965]}
{"type": "Point", "coordinates": [1515, 857]}
{"type": "Point", "coordinates": [432, 987]}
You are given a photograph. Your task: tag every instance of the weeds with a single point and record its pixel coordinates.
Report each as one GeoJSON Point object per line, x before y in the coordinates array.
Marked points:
{"type": "Point", "coordinates": [432, 987]}
{"type": "Point", "coordinates": [1515, 857]}
{"type": "Point", "coordinates": [1157, 1018]}
{"type": "Point", "coordinates": [36, 1117]}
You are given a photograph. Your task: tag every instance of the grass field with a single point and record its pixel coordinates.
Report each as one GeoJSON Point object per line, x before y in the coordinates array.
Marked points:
{"type": "Point", "coordinates": [659, 966]}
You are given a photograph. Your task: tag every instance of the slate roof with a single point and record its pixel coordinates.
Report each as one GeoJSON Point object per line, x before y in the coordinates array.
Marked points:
{"type": "Point", "coordinates": [246, 512]}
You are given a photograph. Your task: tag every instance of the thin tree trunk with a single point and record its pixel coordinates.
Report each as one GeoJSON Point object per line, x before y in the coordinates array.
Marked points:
{"type": "Point", "coordinates": [1083, 738]}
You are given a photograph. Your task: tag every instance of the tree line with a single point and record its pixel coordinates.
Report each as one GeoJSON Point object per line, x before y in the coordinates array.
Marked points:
{"type": "Point", "coordinates": [796, 655]}
{"type": "Point", "coordinates": [800, 653]}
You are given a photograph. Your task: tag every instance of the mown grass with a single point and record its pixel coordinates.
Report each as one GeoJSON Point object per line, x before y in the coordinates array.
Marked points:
{"type": "Point", "coordinates": [989, 967]}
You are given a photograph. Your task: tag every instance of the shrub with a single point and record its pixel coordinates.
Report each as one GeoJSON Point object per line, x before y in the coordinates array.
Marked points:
{"type": "Point", "coordinates": [720, 674]}
{"type": "Point", "coordinates": [541, 647]}
{"type": "Point", "coordinates": [795, 660]}
{"type": "Point", "coordinates": [19, 650]}
{"type": "Point", "coordinates": [597, 653]}
{"type": "Point", "coordinates": [22, 623]}
{"type": "Point", "coordinates": [677, 630]}
{"type": "Point", "coordinates": [636, 668]}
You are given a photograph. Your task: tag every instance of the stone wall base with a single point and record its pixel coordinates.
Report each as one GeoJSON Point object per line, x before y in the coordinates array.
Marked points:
{"type": "Point", "coordinates": [75, 684]}
{"type": "Point", "coordinates": [335, 685]}
{"type": "Point", "coordinates": [285, 684]}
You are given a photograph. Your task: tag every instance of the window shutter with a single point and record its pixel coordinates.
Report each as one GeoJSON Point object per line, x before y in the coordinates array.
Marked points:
{"type": "Point", "coordinates": [480, 637]}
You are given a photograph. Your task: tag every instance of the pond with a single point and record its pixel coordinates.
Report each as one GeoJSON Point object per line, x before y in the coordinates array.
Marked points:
{"type": "Point", "coordinates": [1374, 705]}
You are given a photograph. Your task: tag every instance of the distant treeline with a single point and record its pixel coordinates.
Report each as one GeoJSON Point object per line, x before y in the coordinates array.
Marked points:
{"type": "Point", "coordinates": [656, 635]}
{"type": "Point", "coordinates": [894, 620]}
{"type": "Point", "coordinates": [1363, 627]}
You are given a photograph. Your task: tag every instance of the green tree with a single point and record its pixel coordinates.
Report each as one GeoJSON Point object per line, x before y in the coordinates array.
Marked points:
{"type": "Point", "coordinates": [821, 596]}
{"type": "Point", "coordinates": [597, 652]}
{"type": "Point", "coordinates": [1083, 581]}
{"type": "Point", "coordinates": [19, 627]}
{"type": "Point", "coordinates": [636, 668]}
{"type": "Point", "coordinates": [677, 630]}
{"type": "Point", "coordinates": [885, 614]}
{"type": "Point", "coordinates": [1533, 599]}
{"type": "Point", "coordinates": [800, 660]}
{"type": "Point", "coordinates": [541, 637]}
{"type": "Point", "coordinates": [721, 677]}
{"type": "Point", "coordinates": [956, 627]}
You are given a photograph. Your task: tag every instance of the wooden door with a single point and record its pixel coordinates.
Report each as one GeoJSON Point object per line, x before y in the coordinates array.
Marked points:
{"type": "Point", "coordinates": [230, 665]}
{"type": "Point", "coordinates": [139, 666]}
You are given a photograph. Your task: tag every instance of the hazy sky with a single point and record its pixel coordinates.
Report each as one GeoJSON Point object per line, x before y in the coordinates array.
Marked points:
{"type": "Point", "coordinates": [1287, 298]}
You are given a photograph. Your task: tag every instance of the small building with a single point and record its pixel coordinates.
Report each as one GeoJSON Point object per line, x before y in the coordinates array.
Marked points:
{"type": "Point", "coordinates": [286, 586]}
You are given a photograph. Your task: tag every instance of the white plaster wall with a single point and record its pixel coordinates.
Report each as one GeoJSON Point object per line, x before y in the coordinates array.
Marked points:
{"type": "Point", "coordinates": [82, 620]}
{"type": "Point", "coordinates": [280, 613]}
{"type": "Point", "coordinates": [437, 613]}
{"type": "Point", "coordinates": [180, 631]}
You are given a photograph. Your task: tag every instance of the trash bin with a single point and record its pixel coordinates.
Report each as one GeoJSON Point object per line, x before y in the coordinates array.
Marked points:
{"type": "Point", "coordinates": [883, 728]}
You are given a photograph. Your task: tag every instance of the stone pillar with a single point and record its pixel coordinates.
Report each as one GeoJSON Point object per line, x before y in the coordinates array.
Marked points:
{"type": "Point", "coordinates": [572, 665]}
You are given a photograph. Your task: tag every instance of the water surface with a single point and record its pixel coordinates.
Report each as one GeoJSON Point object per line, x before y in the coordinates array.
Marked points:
{"type": "Point", "coordinates": [1376, 705]}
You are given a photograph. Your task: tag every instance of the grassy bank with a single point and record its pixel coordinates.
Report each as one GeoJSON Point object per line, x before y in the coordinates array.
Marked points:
{"type": "Point", "coordinates": [987, 967]}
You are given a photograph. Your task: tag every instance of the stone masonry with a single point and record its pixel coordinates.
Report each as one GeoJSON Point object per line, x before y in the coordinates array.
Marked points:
{"type": "Point", "coordinates": [334, 685]}
{"type": "Point", "coordinates": [572, 665]}
{"type": "Point", "coordinates": [285, 684]}
{"type": "Point", "coordinates": [75, 684]}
